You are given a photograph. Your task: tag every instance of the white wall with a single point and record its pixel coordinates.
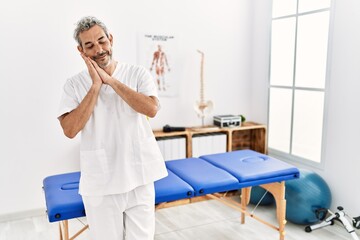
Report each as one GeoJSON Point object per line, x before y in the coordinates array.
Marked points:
{"type": "Point", "coordinates": [342, 169]}
{"type": "Point", "coordinates": [342, 162]}
{"type": "Point", "coordinates": [38, 54]}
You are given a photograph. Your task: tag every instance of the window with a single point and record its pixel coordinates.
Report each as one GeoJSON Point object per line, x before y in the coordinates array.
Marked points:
{"type": "Point", "coordinates": [299, 43]}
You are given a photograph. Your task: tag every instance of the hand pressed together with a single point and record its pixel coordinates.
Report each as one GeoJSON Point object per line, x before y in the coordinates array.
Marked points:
{"type": "Point", "coordinates": [98, 75]}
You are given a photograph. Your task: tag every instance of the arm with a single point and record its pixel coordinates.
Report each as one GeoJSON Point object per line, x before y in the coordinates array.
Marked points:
{"type": "Point", "coordinates": [74, 121]}
{"type": "Point", "coordinates": [147, 105]}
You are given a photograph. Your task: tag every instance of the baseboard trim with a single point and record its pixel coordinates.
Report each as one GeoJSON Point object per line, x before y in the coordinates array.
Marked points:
{"type": "Point", "coordinates": [22, 215]}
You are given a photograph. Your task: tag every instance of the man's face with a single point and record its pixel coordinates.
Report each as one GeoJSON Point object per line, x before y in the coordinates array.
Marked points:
{"type": "Point", "coordinates": [96, 45]}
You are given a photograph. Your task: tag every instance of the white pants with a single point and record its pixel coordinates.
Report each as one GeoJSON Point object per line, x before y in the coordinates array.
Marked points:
{"type": "Point", "coordinates": [129, 216]}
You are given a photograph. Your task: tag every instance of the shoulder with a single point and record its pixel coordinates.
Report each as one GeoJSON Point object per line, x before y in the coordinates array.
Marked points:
{"type": "Point", "coordinates": [78, 82]}
{"type": "Point", "coordinates": [79, 78]}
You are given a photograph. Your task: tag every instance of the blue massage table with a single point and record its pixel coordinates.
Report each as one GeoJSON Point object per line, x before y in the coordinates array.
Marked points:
{"type": "Point", "coordinates": [210, 175]}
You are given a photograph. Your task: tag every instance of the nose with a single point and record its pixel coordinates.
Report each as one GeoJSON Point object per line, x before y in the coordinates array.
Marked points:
{"type": "Point", "coordinates": [98, 49]}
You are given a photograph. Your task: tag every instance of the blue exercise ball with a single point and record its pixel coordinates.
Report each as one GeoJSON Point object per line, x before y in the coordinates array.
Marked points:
{"type": "Point", "coordinates": [257, 194]}
{"type": "Point", "coordinates": [304, 196]}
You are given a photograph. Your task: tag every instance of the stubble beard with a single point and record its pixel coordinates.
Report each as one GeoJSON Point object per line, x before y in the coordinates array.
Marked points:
{"type": "Point", "coordinates": [106, 64]}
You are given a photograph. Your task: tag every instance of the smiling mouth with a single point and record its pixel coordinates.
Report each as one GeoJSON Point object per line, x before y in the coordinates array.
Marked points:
{"type": "Point", "coordinates": [102, 57]}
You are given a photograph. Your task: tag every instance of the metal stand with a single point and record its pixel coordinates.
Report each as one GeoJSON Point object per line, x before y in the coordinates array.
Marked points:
{"type": "Point", "coordinates": [339, 216]}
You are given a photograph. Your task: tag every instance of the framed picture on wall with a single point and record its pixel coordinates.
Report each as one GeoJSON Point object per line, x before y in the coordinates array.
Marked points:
{"type": "Point", "coordinates": [157, 53]}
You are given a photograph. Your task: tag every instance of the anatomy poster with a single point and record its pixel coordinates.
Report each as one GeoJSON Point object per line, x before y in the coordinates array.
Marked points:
{"type": "Point", "coordinates": [156, 52]}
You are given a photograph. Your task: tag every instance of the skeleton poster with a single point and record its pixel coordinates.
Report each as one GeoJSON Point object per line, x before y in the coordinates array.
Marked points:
{"type": "Point", "coordinates": [156, 52]}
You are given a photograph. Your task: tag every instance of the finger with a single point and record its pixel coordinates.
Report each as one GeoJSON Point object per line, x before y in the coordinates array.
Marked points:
{"type": "Point", "coordinates": [97, 67]}
{"type": "Point", "coordinates": [84, 56]}
{"type": "Point", "coordinates": [86, 59]}
{"type": "Point", "coordinates": [94, 63]}
{"type": "Point", "coordinates": [91, 60]}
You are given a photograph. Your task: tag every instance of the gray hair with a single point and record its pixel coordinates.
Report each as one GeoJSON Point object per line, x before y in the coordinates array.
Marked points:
{"type": "Point", "coordinates": [85, 24]}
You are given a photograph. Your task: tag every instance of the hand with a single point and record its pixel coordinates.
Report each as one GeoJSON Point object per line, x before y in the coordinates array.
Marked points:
{"type": "Point", "coordinates": [105, 77]}
{"type": "Point", "coordinates": [92, 70]}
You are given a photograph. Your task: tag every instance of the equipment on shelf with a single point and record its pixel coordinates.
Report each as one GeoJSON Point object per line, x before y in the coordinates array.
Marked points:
{"type": "Point", "coordinates": [340, 216]}
{"type": "Point", "coordinates": [227, 120]}
{"type": "Point", "coordinates": [168, 128]}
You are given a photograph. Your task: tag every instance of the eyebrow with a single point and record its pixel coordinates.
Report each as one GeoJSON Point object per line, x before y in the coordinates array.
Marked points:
{"type": "Point", "coordinates": [87, 43]}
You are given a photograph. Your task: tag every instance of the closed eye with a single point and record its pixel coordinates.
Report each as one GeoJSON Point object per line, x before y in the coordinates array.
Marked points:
{"type": "Point", "coordinates": [89, 45]}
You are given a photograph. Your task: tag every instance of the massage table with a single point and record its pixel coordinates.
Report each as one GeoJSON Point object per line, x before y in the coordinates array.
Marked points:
{"type": "Point", "coordinates": [209, 175]}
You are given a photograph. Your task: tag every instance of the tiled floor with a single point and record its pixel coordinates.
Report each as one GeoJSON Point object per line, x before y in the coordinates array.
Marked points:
{"type": "Point", "coordinates": [207, 220]}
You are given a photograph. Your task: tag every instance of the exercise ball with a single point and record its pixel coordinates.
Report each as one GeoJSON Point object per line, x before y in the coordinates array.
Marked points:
{"type": "Point", "coordinates": [304, 195]}
{"type": "Point", "coordinates": [257, 193]}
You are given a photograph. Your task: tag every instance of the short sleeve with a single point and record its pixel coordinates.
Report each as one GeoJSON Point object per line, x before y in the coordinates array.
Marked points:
{"type": "Point", "coordinates": [146, 84]}
{"type": "Point", "coordinates": [68, 100]}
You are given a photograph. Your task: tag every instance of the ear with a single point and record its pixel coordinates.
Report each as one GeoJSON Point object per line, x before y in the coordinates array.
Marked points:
{"type": "Point", "coordinates": [111, 39]}
{"type": "Point", "coordinates": [80, 49]}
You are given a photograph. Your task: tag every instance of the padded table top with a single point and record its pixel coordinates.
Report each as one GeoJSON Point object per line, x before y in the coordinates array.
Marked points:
{"type": "Point", "coordinates": [62, 198]}
{"type": "Point", "coordinates": [187, 178]}
{"type": "Point", "coordinates": [64, 202]}
{"type": "Point", "coordinates": [252, 168]}
{"type": "Point", "coordinates": [172, 188]}
{"type": "Point", "coordinates": [204, 177]}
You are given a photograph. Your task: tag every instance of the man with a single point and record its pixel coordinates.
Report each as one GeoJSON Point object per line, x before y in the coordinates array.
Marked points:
{"type": "Point", "coordinates": [119, 157]}
{"type": "Point", "coordinates": [159, 60]}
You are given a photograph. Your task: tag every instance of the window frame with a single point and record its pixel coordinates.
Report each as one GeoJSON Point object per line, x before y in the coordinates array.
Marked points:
{"type": "Point", "coordinates": [289, 157]}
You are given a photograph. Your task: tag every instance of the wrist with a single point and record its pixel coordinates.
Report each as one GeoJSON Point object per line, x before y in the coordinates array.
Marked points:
{"type": "Point", "coordinates": [110, 81]}
{"type": "Point", "coordinates": [96, 86]}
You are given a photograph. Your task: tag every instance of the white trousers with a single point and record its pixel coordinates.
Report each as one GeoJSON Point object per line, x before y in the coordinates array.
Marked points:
{"type": "Point", "coordinates": [126, 216]}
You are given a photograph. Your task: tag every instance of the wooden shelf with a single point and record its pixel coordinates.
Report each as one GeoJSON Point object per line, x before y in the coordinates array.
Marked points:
{"type": "Point", "coordinates": [249, 135]}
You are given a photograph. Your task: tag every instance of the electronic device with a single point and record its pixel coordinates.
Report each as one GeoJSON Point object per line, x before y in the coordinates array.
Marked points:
{"type": "Point", "coordinates": [227, 121]}
{"type": "Point", "coordinates": [168, 128]}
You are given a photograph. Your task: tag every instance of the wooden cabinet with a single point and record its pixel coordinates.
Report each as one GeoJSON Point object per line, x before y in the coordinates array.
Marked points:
{"type": "Point", "coordinates": [250, 135]}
